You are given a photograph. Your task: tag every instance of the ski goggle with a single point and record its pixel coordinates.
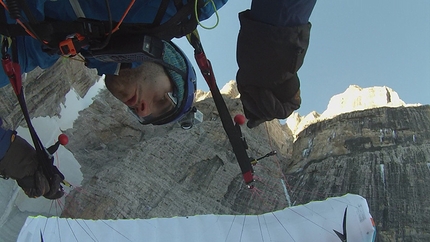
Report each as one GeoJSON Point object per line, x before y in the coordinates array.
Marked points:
{"type": "Point", "coordinates": [164, 108]}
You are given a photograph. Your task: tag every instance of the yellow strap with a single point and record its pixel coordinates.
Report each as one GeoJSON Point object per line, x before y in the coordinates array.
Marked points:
{"type": "Point", "coordinates": [9, 40]}
{"type": "Point", "coordinates": [66, 183]}
{"type": "Point", "coordinates": [195, 33]}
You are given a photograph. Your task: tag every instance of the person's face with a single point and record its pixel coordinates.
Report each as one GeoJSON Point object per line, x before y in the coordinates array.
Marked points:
{"type": "Point", "coordinates": [145, 94]}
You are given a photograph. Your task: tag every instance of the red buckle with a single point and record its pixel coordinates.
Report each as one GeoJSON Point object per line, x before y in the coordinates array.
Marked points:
{"type": "Point", "coordinates": [13, 71]}
{"type": "Point", "coordinates": [206, 69]}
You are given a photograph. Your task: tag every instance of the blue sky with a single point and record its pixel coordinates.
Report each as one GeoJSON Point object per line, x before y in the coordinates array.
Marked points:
{"type": "Point", "coordinates": [367, 43]}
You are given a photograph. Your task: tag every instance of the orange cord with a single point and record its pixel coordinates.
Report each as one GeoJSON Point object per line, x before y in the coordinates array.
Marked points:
{"type": "Point", "coordinates": [22, 25]}
{"type": "Point", "coordinates": [123, 16]}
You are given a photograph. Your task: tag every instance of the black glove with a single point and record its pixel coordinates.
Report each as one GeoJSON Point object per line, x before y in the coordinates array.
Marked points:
{"type": "Point", "coordinates": [269, 58]}
{"type": "Point", "coordinates": [20, 163]}
{"type": "Point", "coordinates": [37, 185]}
{"type": "Point", "coordinates": [262, 105]}
{"type": "Point", "coordinates": [56, 190]}
{"type": "Point", "coordinates": [34, 186]}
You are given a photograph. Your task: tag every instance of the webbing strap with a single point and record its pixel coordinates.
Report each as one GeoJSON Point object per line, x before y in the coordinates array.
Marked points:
{"type": "Point", "coordinates": [161, 11]}
{"type": "Point", "coordinates": [76, 6]}
{"type": "Point", "coordinates": [12, 70]}
{"type": "Point", "coordinates": [233, 134]}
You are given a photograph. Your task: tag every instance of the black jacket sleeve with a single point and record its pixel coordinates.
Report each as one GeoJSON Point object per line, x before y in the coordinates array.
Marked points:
{"type": "Point", "coordinates": [20, 160]}
{"type": "Point", "coordinates": [269, 58]}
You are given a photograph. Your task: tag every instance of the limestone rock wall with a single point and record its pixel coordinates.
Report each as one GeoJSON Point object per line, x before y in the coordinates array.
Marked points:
{"type": "Point", "coordinates": [135, 171]}
{"type": "Point", "coordinates": [382, 154]}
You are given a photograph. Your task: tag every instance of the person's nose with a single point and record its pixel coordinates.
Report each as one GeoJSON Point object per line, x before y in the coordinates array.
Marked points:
{"type": "Point", "coordinates": [142, 110]}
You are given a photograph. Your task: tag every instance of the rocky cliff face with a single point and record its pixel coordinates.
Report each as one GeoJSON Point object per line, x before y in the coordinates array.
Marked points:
{"type": "Point", "coordinates": [135, 171]}
{"type": "Point", "coordinates": [382, 154]}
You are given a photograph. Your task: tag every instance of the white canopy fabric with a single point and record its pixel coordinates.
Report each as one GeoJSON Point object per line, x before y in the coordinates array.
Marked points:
{"type": "Point", "coordinates": [315, 221]}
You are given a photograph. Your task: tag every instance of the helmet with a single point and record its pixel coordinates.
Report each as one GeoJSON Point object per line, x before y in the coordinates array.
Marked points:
{"type": "Point", "coordinates": [183, 78]}
{"type": "Point", "coordinates": [137, 49]}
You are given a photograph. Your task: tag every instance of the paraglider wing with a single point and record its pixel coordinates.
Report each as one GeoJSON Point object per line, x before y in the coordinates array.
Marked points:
{"type": "Point", "coordinates": [342, 236]}
{"type": "Point", "coordinates": [315, 221]}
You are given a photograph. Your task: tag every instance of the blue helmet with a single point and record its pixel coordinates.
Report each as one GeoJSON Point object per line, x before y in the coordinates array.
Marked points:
{"type": "Point", "coordinates": [138, 49]}
{"type": "Point", "coordinates": [183, 78]}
